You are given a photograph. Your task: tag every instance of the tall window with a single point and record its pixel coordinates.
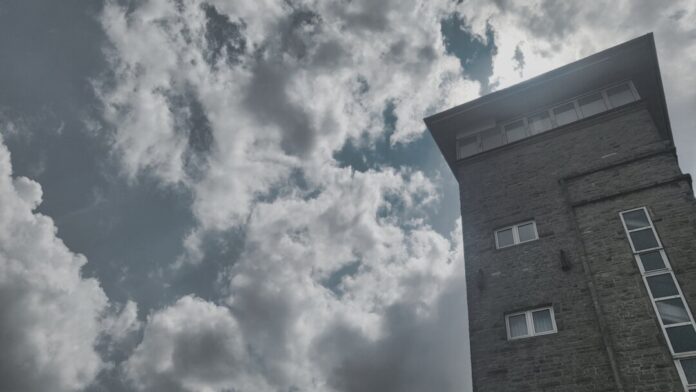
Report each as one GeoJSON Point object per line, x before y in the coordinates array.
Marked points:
{"type": "Point", "coordinates": [516, 234]}
{"type": "Point", "coordinates": [672, 311]}
{"type": "Point", "coordinates": [530, 323]}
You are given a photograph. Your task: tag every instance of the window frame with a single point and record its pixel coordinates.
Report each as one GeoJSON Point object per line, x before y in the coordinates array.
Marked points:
{"type": "Point", "coordinates": [667, 270]}
{"type": "Point", "coordinates": [651, 226]}
{"type": "Point", "coordinates": [516, 234]}
{"type": "Point", "coordinates": [531, 332]}
{"type": "Point", "coordinates": [467, 136]}
{"type": "Point", "coordinates": [682, 374]}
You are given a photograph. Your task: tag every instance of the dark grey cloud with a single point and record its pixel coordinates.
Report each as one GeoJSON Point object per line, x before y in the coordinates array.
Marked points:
{"type": "Point", "coordinates": [191, 120]}
{"type": "Point", "coordinates": [413, 353]}
{"type": "Point", "coordinates": [225, 39]}
{"type": "Point", "coordinates": [518, 58]}
{"type": "Point", "coordinates": [547, 20]}
{"type": "Point", "coordinates": [267, 98]}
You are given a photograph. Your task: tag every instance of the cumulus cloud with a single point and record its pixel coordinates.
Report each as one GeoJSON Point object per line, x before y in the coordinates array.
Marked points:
{"type": "Point", "coordinates": [318, 76]}
{"type": "Point", "coordinates": [192, 345]}
{"type": "Point", "coordinates": [50, 315]}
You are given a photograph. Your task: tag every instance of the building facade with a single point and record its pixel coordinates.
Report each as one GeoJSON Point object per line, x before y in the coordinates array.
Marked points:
{"type": "Point", "coordinates": [579, 230]}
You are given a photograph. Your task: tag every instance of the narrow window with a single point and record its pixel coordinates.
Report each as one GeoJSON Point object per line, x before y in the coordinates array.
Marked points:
{"type": "Point", "coordinates": [672, 311]}
{"type": "Point", "coordinates": [652, 261]}
{"type": "Point", "coordinates": [620, 95]}
{"type": "Point", "coordinates": [592, 104]}
{"type": "Point", "coordinates": [682, 338]}
{"type": "Point", "coordinates": [530, 323]}
{"type": "Point", "coordinates": [540, 122]}
{"type": "Point", "coordinates": [518, 326]}
{"type": "Point", "coordinates": [505, 237]}
{"type": "Point", "coordinates": [565, 114]}
{"type": "Point", "coordinates": [515, 131]}
{"type": "Point", "coordinates": [516, 234]}
{"type": "Point", "coordinates": [467, 146]}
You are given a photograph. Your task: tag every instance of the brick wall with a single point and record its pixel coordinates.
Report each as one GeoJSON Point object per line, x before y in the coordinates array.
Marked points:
{"type": "Point", "coordinates": [521, 181]}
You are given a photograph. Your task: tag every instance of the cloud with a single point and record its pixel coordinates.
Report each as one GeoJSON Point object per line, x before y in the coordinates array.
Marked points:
{"type": "Point", "coordinates": [318, 75]}
{"type": "Point", "coordinates": [192, 345]}
{"type": "Point", "coordinates": [50, 315]}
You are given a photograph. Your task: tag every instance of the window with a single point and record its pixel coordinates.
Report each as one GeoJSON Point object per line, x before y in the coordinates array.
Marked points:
{"type": "Point", "coordinates": [515, 131]}
{"type": "Point", "coordinates": [687, 367]}
{"type": "Point", "coordinates": [641, 233]}
{"type": "Point", "coordinates": [530, 323]}
{"type": "Point", "coordinates": [467, 146]}
{"type": "Point", "coordinates": [592, 104]}
{"type": "Point", "coordinates": [517, 234]}
{"type": "Point", "coordinates": [540, 122]}
{"type": "Point", "coordinates": [565, 114]}
{"type": "Point", "coordinates": [578, 108]}
{"type": "Point", "coordinates": [620, 95]}
{"type": "Point", "coordinates": [491, 138]}
{"type": "Point", "coordinates": [670, 307]}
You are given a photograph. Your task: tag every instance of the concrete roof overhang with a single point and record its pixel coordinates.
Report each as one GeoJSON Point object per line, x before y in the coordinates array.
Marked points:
{"type": "Point", "coordinates": [634, 60]}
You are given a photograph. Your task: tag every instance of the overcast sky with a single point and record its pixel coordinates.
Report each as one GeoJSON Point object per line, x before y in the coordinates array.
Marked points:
{"type": "Point", "coordinates": [242, 196]}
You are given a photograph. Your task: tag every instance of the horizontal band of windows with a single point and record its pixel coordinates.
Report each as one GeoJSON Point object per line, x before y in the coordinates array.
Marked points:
{"type": "Point", "coordinates": [544, 120]}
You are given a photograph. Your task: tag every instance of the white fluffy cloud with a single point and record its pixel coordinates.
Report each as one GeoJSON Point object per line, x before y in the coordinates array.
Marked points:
{"type": "Point", "coordinates": [50, 316]}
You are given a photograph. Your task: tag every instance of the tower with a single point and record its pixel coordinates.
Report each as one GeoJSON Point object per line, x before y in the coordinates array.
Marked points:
{"type": "Point", "coordinates": [579, 230]}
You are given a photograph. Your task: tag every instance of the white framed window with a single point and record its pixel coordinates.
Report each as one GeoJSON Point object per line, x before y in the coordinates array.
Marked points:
{"type": "Point", "coordinates": [672, 311]}
{"type": "Point", "coordinates": [491, 138]}
{"type": "Point", "coordinates": [540, 122]}
{"type": "Point", "coordinates": [516, 234]}
{"type": "Point", "coordinates": [687, 371]}
{"type": "Point", "coordinates": [592, 104]}
{"type": "Point", "coordinates": [621, 94]}
{"type": "Point", "coordinates": [467, 146]}
{"type": "Point", "coordinates": [516, 130]}
{"type": "Point", "coordinates": [641, 232]}
{"type": "Point", "coordinates": [533, 322]}
{"type": "Point", "coordinates": [565, 114]}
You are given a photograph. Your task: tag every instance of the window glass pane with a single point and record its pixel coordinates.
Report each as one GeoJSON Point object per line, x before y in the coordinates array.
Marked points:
{"type": "Point", "coordinates": [565, 114]}
{"type": "Point", "coordinates": [505, 238]}
{"type": "Point", "coordinates": [467, 146]}
{"type": "Point", "coordinates": [652, 261]}
{"type": "Point", "coordinates": [491, 138]}
{"type": "Point", "coordinates": [636, 219]}
{"type": "Point", "coordinates": [672, 311]}
{"type": "Point", "coordinates": [542, 321]}
{"type": "Point", "coordinates": [620, 95]}
{"type": "Point", "coordinates": [526, 232]}
{"type": "Point", "coordinates": [662, 285]}
{"type": "Point", "coordinates": [592, 104]}
{"type": "Point", "coordinates": [689, 367]}
{"type": "Point", "coordinates": [515, 131]}
{"type": "Point", "coordinates": [643, 239]}
{"type": "Point", "coordinates": [683, 338]}
{"type": "Point", "coordinates": [539, 122]}
{"type": "Point", "coordinates": [518, 325]}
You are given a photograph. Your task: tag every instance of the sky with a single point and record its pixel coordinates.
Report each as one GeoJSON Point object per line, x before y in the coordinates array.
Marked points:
{"type": "Point", "coordinates": [242, 195]}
